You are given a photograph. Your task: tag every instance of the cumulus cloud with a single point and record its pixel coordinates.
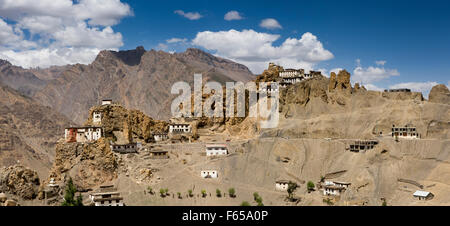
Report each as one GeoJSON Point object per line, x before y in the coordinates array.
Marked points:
{"type": "Point", "coordinates": [233, 15]}
{"type": "Point", "coordinates": [423, 87]}
{"type": "Point", "coordinates": [58, 32]}
{"type": "Point", "coordinates": [176, 40]}
{"type": "Point", "coordinates": [270, 23]}
{"type": "Point", "coordinates": [372, 73]}
{"type": "Point", "coordinates": [189, 15]}
{"type": "Point", "coordinates": [380, 62]}
{"type": "Point", "coordinates": [373, 87]}
{"type": "Point", "coordinates": [256, 49]}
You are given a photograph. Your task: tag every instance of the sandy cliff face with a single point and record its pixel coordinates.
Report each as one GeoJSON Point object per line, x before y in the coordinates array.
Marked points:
{"type": "Point", "coordinates": [89, 164]}
{"type": "Point", "coordinates": [322, 108]}
{"type": "Point", "coordinates": [439, 94]}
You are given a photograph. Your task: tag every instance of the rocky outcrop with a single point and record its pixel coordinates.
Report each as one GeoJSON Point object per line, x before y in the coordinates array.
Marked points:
{"type": "Point", "coordinates": [133, 124]}
{"type": "Point", "coordinates": [20, 181]}
{"type": "Point", "coordinates": [270, 74]}
{"type": "Point", "coordinates": [88, 164]}
{"type": "Point", "coordinates": [301, 93]}
{"type": "Point", "coordinates": [416, 96]}
{"type": "Point", "coordinates": [439, 94]}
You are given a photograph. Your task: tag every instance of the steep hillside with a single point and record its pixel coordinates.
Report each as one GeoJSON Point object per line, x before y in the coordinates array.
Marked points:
{"type": "Point", "coordinates": [138, 79]}
{"type": "Point", "coordinates": [28, 131]}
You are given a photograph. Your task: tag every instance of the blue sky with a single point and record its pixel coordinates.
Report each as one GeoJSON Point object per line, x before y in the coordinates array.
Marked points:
{"type": "Point", "coordinates": [410, 40]}
{"type": "Point", "coordinates": [411, 36]}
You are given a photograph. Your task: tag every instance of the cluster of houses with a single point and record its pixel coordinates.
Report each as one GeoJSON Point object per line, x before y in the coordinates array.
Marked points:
{"type": "Point", "coordinates": [88, 134]}
{"type": "Point", "coordinates": [293, 76]}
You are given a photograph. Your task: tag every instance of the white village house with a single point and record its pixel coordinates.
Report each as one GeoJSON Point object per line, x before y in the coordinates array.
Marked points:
{"type": "Point", "coordinates": [180, 128]}
{"type": "Point", "coordinates": [334, 188]}
{"type": "Point", "coordinates": [82, 134]}
{"type": "Point", "coordinates": [209, 174]}
{"type": "Point", "coordinates": [125, 148]}
{"type": "Point", "coordinates": [96, 117]}
{"type": "Point", "coordinates": [107, 196]}
{"type": "Point", "coordinates": [281, 185]}
{"type": "Point", "coordinates": [407, 132]}
{"type": "Point", "coordinates": [216, 149]}
{"type": "Point", "coordinates": [423, 195]}
{"type": "Point", "coordinates": [160, 137]}
{"type": "Point", "coordinates": [106, 102]}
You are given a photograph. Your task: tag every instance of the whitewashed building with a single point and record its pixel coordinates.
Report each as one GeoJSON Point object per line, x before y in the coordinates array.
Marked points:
{"type": "Point", "coordinates": [209, 174]}
{"type": "Point", "coordinates": [180, 128]}
{"type": "Point", "coordinates": [289, 73]}
{"type": "Point", "coordinates": [342, 184]}
{"type": "Point", "coordinates": [106, 102]}
{"type": "Point", "coordinates": [106, 199]}
{"type": "Point", "coordinates": [407, 132]}
{"type": "Point", "coordinates": [126, 148]}
{"type": "Point", "coordinates": [332, 190]}
{"type": "Point", "coordinates": [82, 134]}
{"type": "Point", "coordinates": [334, 187]}
{"type": "Point", "coordinates": [160, 137]}
{"type": "Point", "coordinates": [216, 149]}
{"type": "Point", "coordinates": [97, 117]}
{"type": "Point", "coordinates": [423, 195]}
{"type": "Point", "coordinates": [281, 185]}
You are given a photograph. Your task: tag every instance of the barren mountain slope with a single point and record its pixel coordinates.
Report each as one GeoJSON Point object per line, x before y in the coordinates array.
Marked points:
{"type": "Point", "coordinates": [28, 131]}
{"type": "Point", "coordinates": [137, 79]}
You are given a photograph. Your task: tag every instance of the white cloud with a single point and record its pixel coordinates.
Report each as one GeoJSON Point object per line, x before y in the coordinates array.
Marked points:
{"type": "Point", "coordinates": [336, 70]}
{"type": "Point", "coordinates": [270, 23]}
{"type": "Point", "coordinates": [12, 38]}
{"type": "Point", "coordinates": [104, 12]}
{"type": "Point", "coordinates": [373, 87]}
{"type": "Point", "coordinates": [189, 15]}
{"type": "Point", "coordinates": [371, 74]}
{"type": "Point", "coordinates": [176, 40]}
{"type": "Point", "coordinates": [47, 57]}
{"type": "Point", "coordinates": [380, 62]}
{"type": "Point", "coordinates": [256, 50]}
{"type": "Point", "coordinates": [423, 87]}
{"type": "Point", "coordinates": [58, 32]}
{"type": "Point", "coordinates": [233, 15]}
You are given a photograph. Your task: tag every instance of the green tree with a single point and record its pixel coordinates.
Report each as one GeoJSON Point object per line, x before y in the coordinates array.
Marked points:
{"type": "Point", "coordinates": [69, 196]}
{"type": "Point", "coordinates": [203, 193]}
{"type": "Point", "coordinates": [310, 185]}
{"type": "Point", "coordinates": [166, 191]}
{"type": "Point", "coordinates": [384, 203]}
{"type": "Point", "coordinates": [190, 193]}
{"type": "Point", "coordinates": [218, 193]}
{"type": "Point", "coordinates": [291, 189]}
{"type": "Point", "coordinates": [232, 192]}
{"type": "Point", "coordinates": [255, 195]}
{"type": "Point", "coordinates": [322, 178]}
{"type": "Point", "coordinates": [245, 203]}
{"type": "Point", "coordinates": [162, 191]}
